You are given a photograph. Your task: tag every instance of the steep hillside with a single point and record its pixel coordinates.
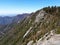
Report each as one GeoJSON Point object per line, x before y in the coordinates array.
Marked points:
{"type": "Point", "coordinates": [34, 29]}
{"type": "Point", "coordinates": [6, 22]}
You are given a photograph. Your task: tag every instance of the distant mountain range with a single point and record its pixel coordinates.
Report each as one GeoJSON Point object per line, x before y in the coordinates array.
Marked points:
{"type": "Point", "coordinates": [8, 20]}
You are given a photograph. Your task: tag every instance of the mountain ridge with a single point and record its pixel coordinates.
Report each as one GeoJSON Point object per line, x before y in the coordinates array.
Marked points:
{"type": "Point", "coordinates": [9, 19]}
{"type": "Point", "coordinates": [35, 27]}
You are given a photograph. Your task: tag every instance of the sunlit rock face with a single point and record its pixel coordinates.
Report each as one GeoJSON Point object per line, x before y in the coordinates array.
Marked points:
{"type": "Point", "coordinates": [54, 40]}
{"type": "Point", "coordinates": [40, 16]}
{"type": "Point", "coordinates": [30, 43]}
{"type": "Point", "coordinates": [50, 39]}
{"type": "Point", "coordinates": [27, 32]}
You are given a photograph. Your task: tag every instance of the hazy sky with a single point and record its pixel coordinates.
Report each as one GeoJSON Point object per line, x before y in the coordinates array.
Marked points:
{"type": "Point", "coordinates": [24, 6]}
